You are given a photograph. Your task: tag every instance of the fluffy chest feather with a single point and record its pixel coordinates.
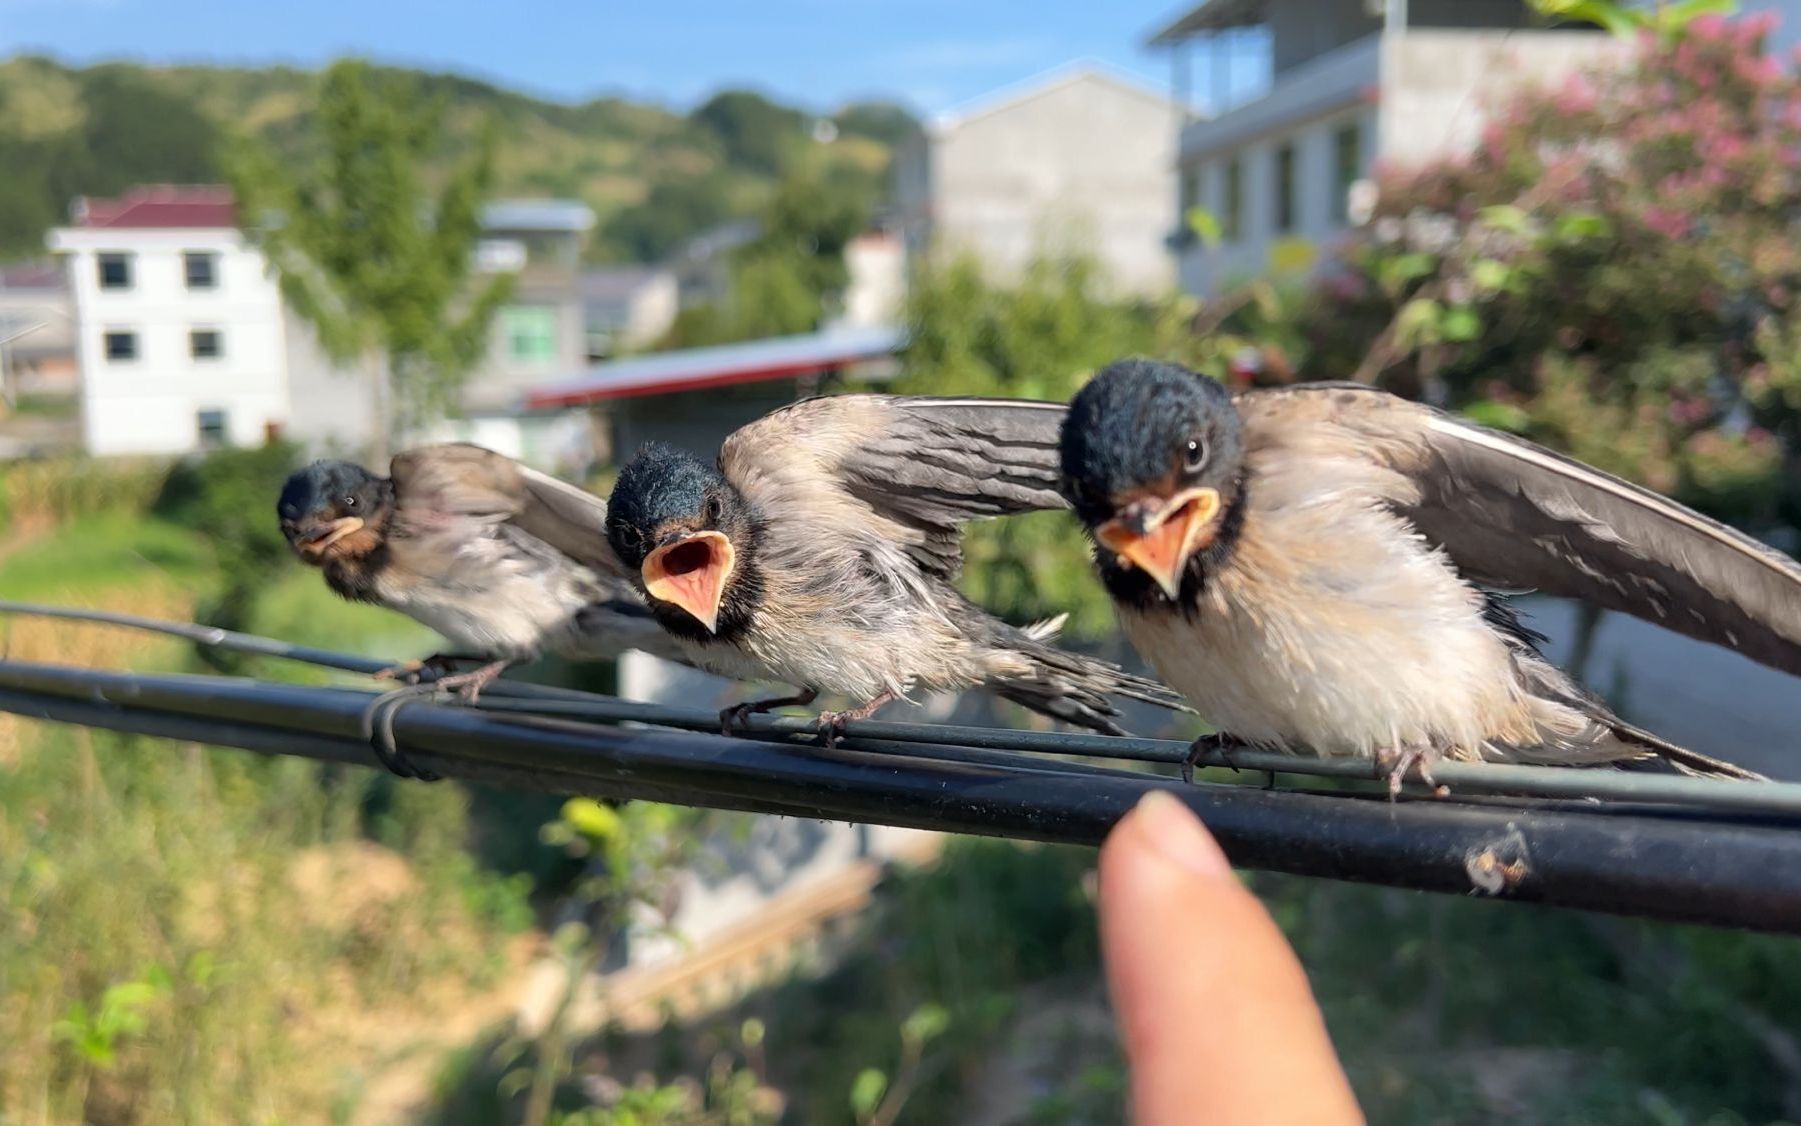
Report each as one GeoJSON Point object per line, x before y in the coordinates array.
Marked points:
{"type": "Point", "coordinates": [1334, 627]}
{"type": "Point", "coordinates": [846, 613]}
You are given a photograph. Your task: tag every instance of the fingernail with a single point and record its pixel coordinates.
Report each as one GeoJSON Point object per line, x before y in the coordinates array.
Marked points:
{"type": "Point", "coordinates": [1172, 830]}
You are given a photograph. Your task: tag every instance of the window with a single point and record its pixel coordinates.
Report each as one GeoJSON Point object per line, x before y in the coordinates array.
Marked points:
{"type": "Point", "coordinates": [205, 344]}
{"type": "Point", "coordinates": [1231, 219]}
{"type": "Point", "coordinates": [1285, 203]}
{"type": "Point", "coordinates": [1189, 194]}
{"type": "Point", "coordinates": [115, 271]}
{"type": "Point", "coordinates": [531, 333]}
{"type": "Point", "coordinates": [121, 346]}
{"type": "Point", "coordinates": [201, 268]}
{"type": "Point", "coordinates": [1347, 149]}
{"type": "Point", "coordinates": [212, 429]}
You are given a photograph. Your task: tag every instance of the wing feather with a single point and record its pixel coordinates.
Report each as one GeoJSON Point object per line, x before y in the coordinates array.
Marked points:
{"type": "Point", "coordinates": [1514, 514]}
{"type": "Point", "coordinates": [458, 481]}
{"type": "Point", "coordinates": [923, 466]}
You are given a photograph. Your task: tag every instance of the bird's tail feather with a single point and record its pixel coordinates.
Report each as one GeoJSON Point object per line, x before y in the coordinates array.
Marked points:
{"type": "Point", "coordinates": [1684, 760]}
{"type": "Point", "coordinates": [1069, 686]}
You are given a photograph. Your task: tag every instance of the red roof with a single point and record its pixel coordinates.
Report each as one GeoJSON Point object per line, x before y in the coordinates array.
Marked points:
{"type": "Point", "coordinates": [160, 205]}
{"type": "Point", "coordinates": [698, 369]}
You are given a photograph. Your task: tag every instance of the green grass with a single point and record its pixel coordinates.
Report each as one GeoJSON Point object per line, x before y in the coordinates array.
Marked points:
{"type": "Point", "coordinates": [298, 607]}
{"type": "Point", "coordinates": [194, 934]}
{"type": "Point", "coordinates": [110, 550]}
{"type": "Point", "coordinates": [47, 406]}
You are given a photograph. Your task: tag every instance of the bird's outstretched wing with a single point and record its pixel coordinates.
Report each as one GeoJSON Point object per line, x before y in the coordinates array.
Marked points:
{"type": "Point", "coordinates": [918, 466]}
{"type": "Point", "coordinates": [457, 481]}
{"type": "Point", "coordinates": [1513, 514]}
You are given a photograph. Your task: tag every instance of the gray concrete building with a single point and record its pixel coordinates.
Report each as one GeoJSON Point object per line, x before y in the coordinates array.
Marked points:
{"type": "Point", "coordinates": [1080, 159]}
{"type": "Point", "coordinates": [1350, 82]}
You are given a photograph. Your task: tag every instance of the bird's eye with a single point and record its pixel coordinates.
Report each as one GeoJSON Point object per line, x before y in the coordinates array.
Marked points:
{"type": "Point", "coordinates": [349, 502]}
{"type": "Point", "coordinates": [714, 508]}
{"type": "Point", "coordinates": [1196, 455]}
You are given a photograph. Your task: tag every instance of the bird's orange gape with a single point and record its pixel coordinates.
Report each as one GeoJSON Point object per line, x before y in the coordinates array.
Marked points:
{"type": "Point", "coordinates": [691, 573]}
{"type": "Point", "coordinates": [318, 539]}
{"type": "Point", "coordinates": [1158, 535]}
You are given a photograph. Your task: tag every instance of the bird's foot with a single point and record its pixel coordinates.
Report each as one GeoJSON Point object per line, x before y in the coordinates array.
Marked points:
{"type": "Point", "coordinates": [832, 724]}
{"type": "Point", "coordinates": [413, 672]}
{"type": "Point", "coordinates": [468, 685]}
{"type": "Point", "coordinates": [738, 715]}
{"type": "Point", "coordinates": [1420, 760]}
{"type": "Point", "coordinates": [1218, 743]}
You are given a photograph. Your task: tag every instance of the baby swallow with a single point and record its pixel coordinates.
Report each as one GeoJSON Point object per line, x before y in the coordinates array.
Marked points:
{"type": "Point", "coordinates": [1316, 568]}
{"type": "Point", "coordinates": [822, 549]}
{"type": "Point", "coordinates": [504, 561]}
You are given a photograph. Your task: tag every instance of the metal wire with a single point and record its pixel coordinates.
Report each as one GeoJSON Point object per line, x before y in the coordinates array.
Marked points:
{"type": "Point", "coordinates": [1725, 853]}
{"type": "Point", "coordinates": [1463, 778]}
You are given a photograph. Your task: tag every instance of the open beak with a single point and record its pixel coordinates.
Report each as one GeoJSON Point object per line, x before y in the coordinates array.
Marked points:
{"type": "Point", "coordinates": [691, 572]}
{"type": "Point", "coordinates": [315, 539]}
{"type": "Point", "coordinates": [1158, 535]}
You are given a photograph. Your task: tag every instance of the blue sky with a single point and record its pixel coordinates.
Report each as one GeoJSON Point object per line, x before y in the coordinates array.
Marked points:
{"type": "Point", "coordinates": [931, 54]}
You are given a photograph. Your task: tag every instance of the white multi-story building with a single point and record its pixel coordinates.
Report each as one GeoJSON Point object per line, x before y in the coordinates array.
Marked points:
{"type": "Point", "coordinates": [1350, 82]}
{"type": "Point", "coordinates": [1079, 160]}
{"type": "Point", "coordinates": [179, 326]}
{"type": "Point", "coordinates": [184, 341]}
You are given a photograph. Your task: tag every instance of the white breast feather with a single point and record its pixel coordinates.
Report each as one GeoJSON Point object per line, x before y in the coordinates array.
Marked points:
{"type": "Point", "coordinates": [1336, 629]}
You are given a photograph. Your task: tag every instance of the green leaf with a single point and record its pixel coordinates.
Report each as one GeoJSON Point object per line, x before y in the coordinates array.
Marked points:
{"type": "Point", "coordinates": [1507, 217]}
{"type": "Point", "coordinates": [1616, 18]}
{"type": "Point", "coordinates": [1205, 226]}
{"type": "Point", "coordinates": [1460, 324]}
{"type": "Point", "coordinates": [592, 819]}
{"type": "Point", "coordinates": [1677, 16]}
{"type": "Point", "coordinates": [1576, 226]}
{"type": "Point", "coordinates": [1498, 415]}
{"type": "Point", "coordinates": [1490, 276]}
{"type": "Point", "coordinates": [1417, 323]}
{"type": "Point", "coordinates": [867, 1091]}
{"type": "Point", "coordinates": [1396, 272]}
{"type": "Point", "coordinates": [925, 1024]}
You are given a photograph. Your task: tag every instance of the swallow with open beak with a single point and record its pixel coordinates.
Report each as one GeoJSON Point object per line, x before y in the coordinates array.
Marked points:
{"type": "Point", "coordinates": [1316, 568]}
{"type": "Point", "coordinates": [498, 558]}
{"type": "Point", "coordinates": [822, 548]}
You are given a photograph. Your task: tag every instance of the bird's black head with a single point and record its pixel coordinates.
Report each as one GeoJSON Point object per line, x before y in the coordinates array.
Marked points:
{"type": "Point", "coordinates": [1153, 465]}
{"type": "Point", "coordinates": [686, 530]}
{"type": "Point", "coordinates": [334, 510]}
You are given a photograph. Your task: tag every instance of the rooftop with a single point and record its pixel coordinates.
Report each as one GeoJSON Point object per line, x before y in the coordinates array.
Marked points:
{"type": "Point", "coordinates": [538, 215]}
{"type": "Point", "coordinates": [697, 369]}
{"type": "Point", "coordinates": [609, 285]}
{"type": "Point", "coordinates": [1038, 85]}
{"type": "Point", "coordinates": [1209, 16]}
{"type": "Point", "coordinates": [162, 206]}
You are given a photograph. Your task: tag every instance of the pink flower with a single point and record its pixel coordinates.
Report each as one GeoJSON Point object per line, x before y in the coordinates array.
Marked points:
{"type": "Point", "coordinates": [1670, 224]}
{"type": "Point", "coordinates": [1709, 26]}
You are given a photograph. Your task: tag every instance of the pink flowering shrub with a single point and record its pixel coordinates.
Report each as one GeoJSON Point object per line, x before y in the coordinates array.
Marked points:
{"type": "Point", "coordinates": [1614, 268]}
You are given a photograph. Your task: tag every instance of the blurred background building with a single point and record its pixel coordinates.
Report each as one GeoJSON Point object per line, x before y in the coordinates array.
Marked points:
{"type": "Point", "coordinates": [1078, 160]}
{"type": "Point", "coordinates": [1351, 83]}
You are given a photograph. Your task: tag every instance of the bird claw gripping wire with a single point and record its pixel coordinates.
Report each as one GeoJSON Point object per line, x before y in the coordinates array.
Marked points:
{"type": "Point", "coordinates": [378, 730]}
{"type": "Point", "coordinates": [1218, 743]}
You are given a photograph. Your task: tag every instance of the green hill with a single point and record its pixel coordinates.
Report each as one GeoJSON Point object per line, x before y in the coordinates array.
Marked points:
{"type": "Point", "coordinates": [653, 176]}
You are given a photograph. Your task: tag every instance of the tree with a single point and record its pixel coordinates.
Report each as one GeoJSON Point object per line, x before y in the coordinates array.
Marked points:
{"type": "Point", "coordinates": [671, 213]}
{"type": "Point", "coordinates": [885, 122]}
{"type": "Point", "coordinates": [785, 279]}
{"type": "Point", "coordinates": [756, 133]}
{"type": "Point", "coordinates": [381, 269]}
{"type": "Point", "coordinates": [1040, 337]}
{"type": "Point", "coordinates": [125, 130]}
{"type": "Point", "coordinates": [1614, 270]}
